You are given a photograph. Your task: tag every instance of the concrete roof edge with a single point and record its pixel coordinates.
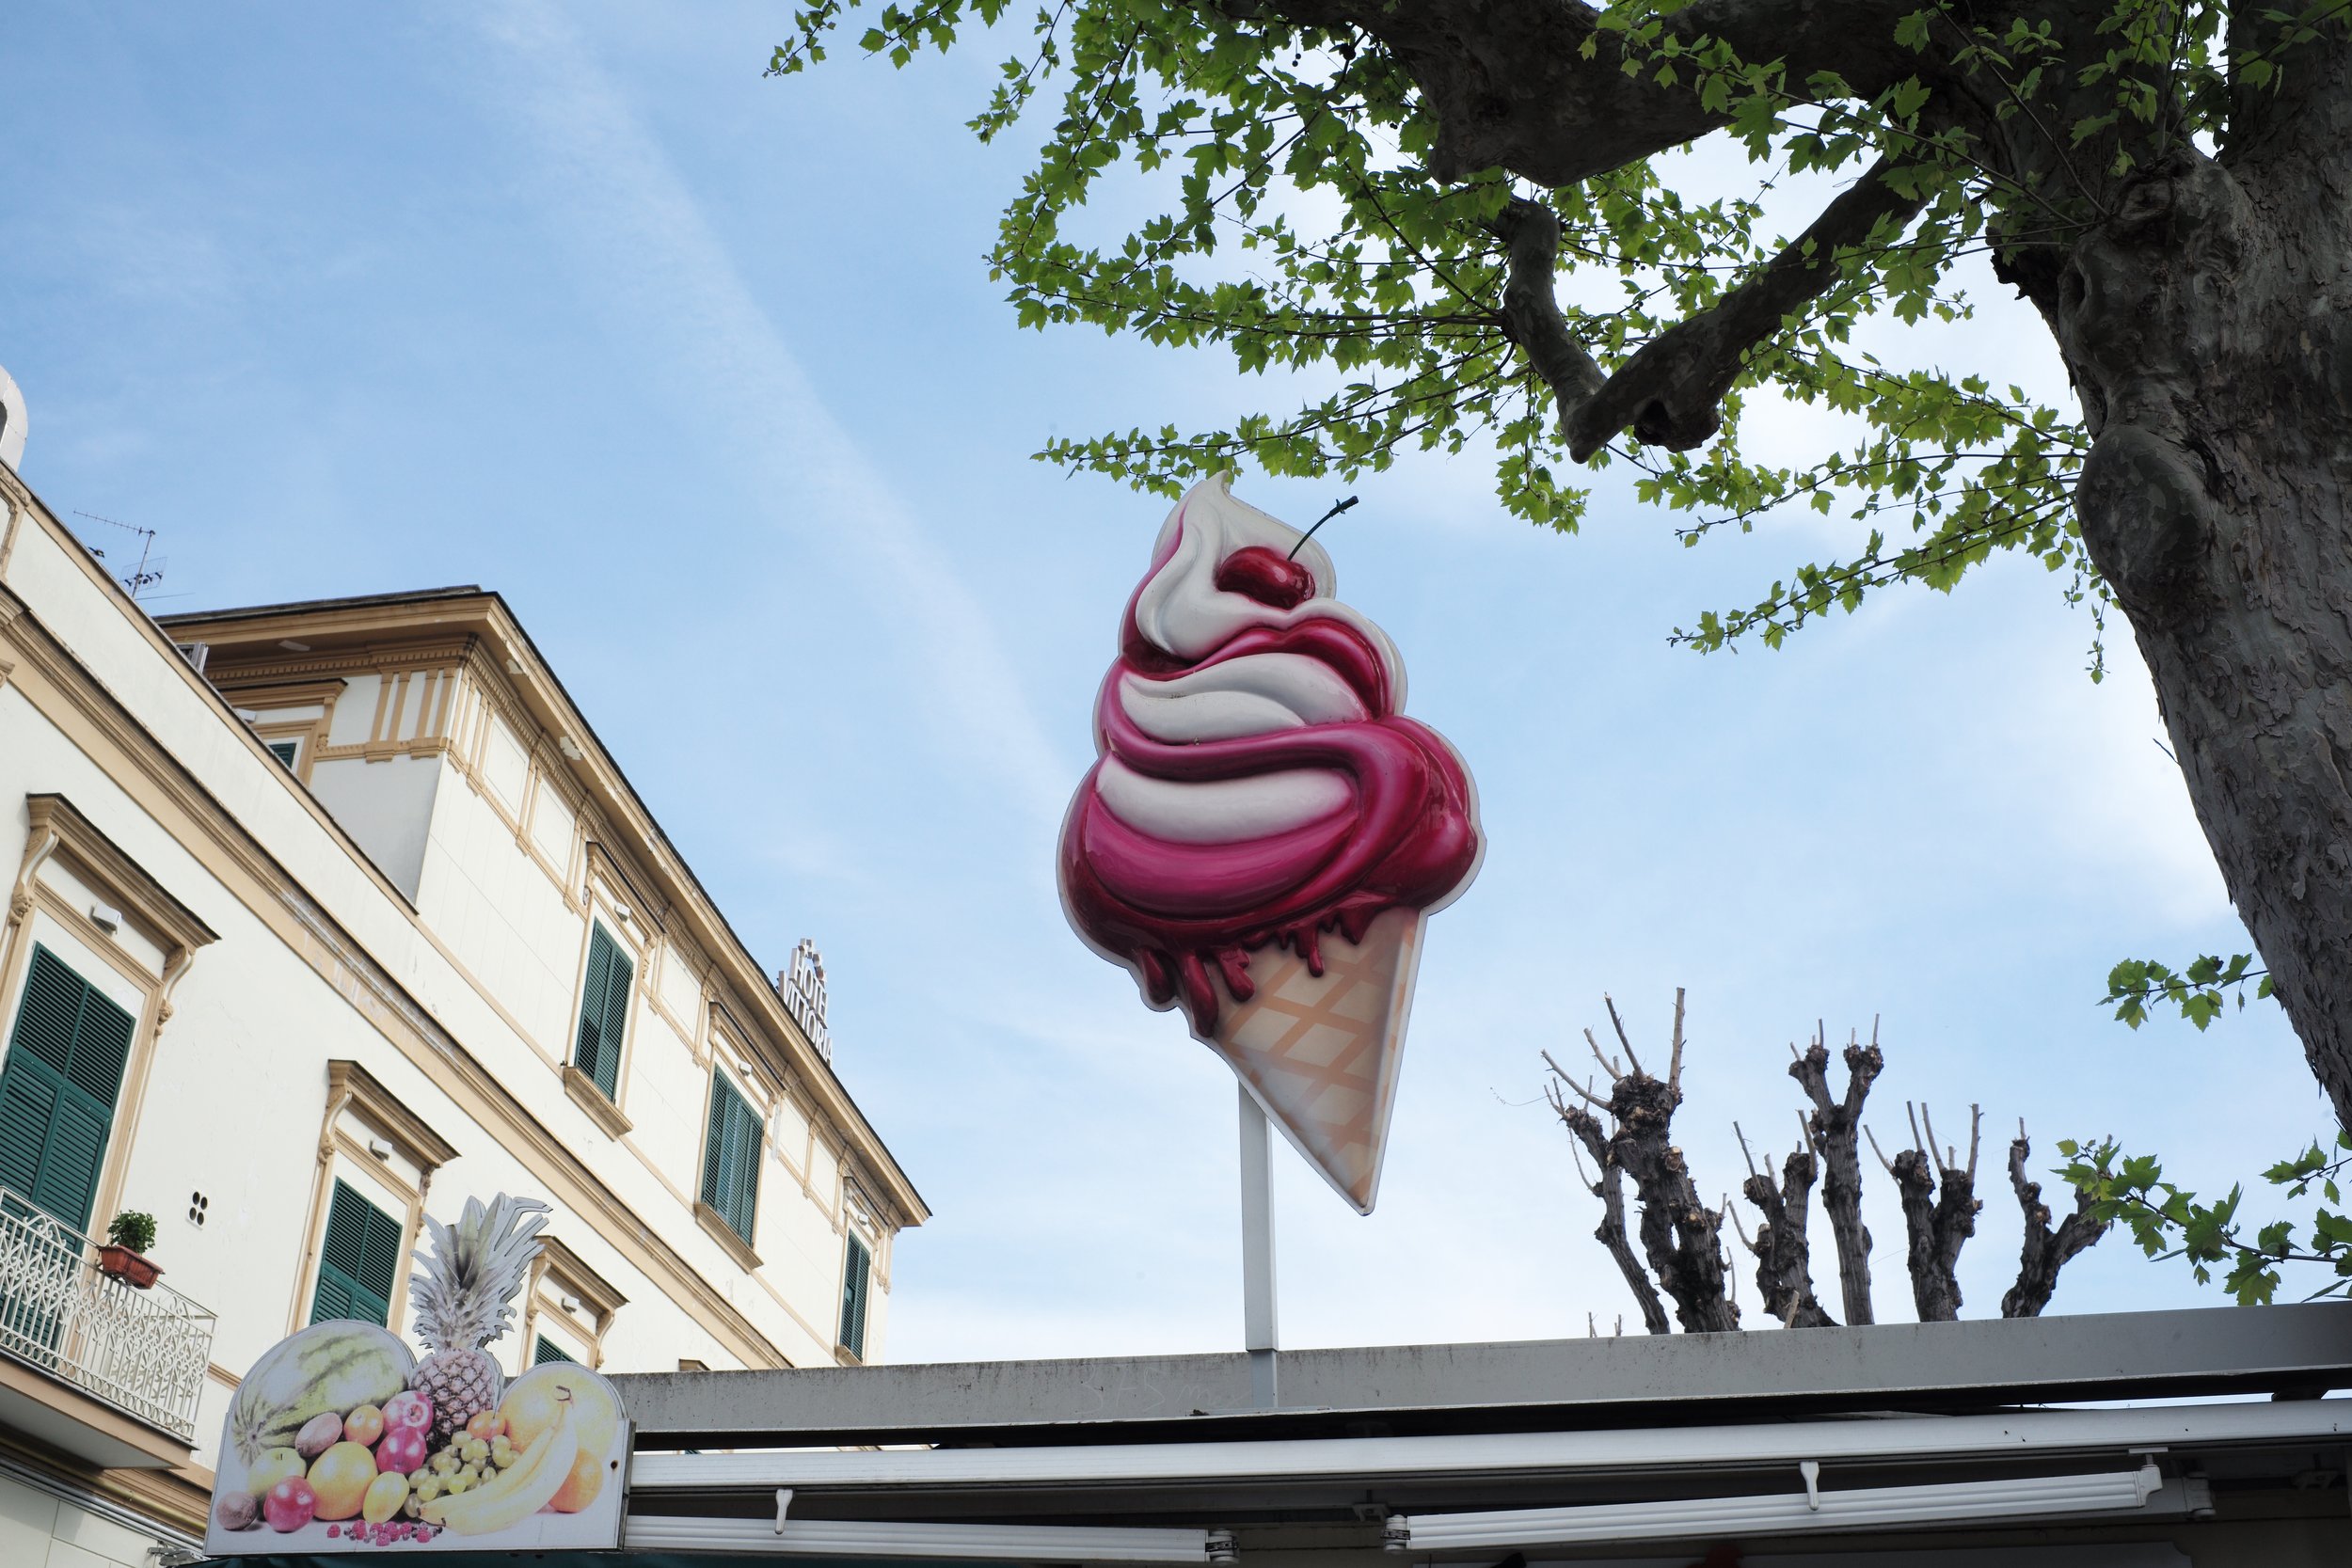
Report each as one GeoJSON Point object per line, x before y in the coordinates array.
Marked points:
{"type": "Point", "coordinates": [2294, 1351]}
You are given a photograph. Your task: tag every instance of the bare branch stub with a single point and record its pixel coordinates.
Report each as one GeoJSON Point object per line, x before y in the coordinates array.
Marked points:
{"type": "Point", "coordinates": [1833, 1132]}
{"type": "Point", "coordinates": [1940, 1207]}
{"type": "Point", "coordinates": [2045, 1251]}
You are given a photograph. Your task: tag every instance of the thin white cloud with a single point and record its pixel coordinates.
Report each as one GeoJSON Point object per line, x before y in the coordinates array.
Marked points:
{"type": "Point", "coordinates": [646, 245]}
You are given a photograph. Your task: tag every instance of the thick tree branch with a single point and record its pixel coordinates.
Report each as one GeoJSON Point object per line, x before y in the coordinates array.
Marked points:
{"type": "Point", "coordinates": [2045, 1251]}
{"type": "Point", "coordinates": [1833, 1130]}
{"type": "Point", "coordinates": [1670, 393]}
{"type": "Point", "coordinates": [1510, 85]}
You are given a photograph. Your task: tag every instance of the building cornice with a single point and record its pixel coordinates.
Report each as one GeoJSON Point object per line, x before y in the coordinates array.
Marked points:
{"type": "Point", "coordinates": [502, 658]}
{"type": "Point", "coordinates": [345, 963]}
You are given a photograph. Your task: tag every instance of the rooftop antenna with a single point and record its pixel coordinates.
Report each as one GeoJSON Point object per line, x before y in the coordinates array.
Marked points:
{"type": "Point", "coordinates": [146, 572]}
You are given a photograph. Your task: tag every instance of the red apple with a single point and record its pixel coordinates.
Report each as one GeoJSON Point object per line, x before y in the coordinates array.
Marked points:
{"type": "Point", "coordinates": [289, 1505]}
{"type": "Point", "coordinates": [408, 1409]}
{"type": "Point", "coordinates": [401, 1448]}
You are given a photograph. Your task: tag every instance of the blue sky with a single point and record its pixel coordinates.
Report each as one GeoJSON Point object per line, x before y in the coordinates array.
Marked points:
{"type": "Point", "coordinates": [703, 371]}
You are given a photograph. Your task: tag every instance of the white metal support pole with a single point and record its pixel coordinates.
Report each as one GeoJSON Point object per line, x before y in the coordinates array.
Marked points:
{"type": "Point", "coordinates": [1258, 1331]}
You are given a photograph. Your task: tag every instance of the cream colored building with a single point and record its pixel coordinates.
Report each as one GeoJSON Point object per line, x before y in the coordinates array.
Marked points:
{"type": "Point", "coordinates": [321, 918]}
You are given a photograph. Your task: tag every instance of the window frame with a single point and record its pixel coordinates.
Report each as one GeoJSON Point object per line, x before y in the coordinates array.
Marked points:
{"type": "Point", "coordinates": [360, 1110]}
{"type": "Point", "coordinates": [60, 834]}
{"type": "Point", "coordinates": [66, 1086]}
{"type": "Point", "coordinates": [586, 1084]}
{"type": "Point", "coordinates": [857, 1295]}
{"type": "Point", "coordinates": [726, 1099]}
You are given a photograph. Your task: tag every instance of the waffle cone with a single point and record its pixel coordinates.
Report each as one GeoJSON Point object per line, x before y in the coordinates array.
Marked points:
{"type": "Point", "coordinates": [1320, 1053]}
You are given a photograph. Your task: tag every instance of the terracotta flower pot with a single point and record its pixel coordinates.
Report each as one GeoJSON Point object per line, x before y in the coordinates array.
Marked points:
{"type": "Point", "coordinates": [132, 1268]}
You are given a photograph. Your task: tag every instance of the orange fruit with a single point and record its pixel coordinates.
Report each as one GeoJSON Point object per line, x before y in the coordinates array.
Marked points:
{"type": "Point", "coordinates": [485, 1425]}
{"type": "Point", "coordinates": [580, 1487]}
{"type": "Point", "coordinates": [534, 1399]}
{"type": "Point", "coordinates": [342, 1477]}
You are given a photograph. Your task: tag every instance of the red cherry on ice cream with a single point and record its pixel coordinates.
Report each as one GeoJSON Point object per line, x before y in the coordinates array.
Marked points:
{"type": "Point", "coordinates": [1265, 577]}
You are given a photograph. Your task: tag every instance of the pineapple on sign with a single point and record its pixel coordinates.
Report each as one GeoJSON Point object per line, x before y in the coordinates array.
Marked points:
{"type": "Point", "coordinates": [463, 1293]}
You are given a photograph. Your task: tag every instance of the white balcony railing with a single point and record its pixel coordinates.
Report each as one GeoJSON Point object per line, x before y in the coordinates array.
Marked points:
{"type": "Point", "coordinates": [143, 1351]}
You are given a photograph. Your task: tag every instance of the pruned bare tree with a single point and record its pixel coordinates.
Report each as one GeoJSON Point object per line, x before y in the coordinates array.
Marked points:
{"type": "Point", "coordinates": [1834, 1128]}
{"type": "Point", "coordinates": [1681, 1251]}
{"type": "Point", "coordinates": [1681, 1236]}
{"type": "Point", "coordinates": [1940, 1208]}
{"type": "Point", "coordinates": [2046, 1251]}
{"type": "Point", "coordinates": [1783, 1261]}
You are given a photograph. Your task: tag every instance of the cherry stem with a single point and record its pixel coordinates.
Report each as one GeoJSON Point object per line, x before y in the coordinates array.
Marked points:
{"type": "Point", "coordinates": [1336, 509]}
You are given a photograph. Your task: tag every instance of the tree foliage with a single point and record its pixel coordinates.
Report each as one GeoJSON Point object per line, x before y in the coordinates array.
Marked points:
{"type": "Point", "coordinates": [1299, 225]}
{"type": "Point", "coordinates": [2169, 1220]}
{"type": "Point", "coordinates": [2200, 989]}
{"type": "Point", "coordinates": [1484, 227]}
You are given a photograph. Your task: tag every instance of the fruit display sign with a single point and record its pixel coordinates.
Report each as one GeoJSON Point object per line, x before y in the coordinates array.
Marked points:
{"type": "Point", "coordinates": [342, 1439]}
{"type": "Point", "coordinates": [1266, 834]}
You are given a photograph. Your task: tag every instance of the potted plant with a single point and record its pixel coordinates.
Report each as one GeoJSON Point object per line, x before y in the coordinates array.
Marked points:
{"type": "Point", "coordinates": [124, 1256]}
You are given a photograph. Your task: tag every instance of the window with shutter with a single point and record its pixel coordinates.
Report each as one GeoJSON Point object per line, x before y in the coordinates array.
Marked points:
{"type": "Point", "coordinates": [57, 1090]}
{"type": "Point", "coordinates": [604, 1012]}
{"type": "Point", "coordinates": [359, 1260]}
{"type": "Point", "coordinates": [731, 1150]}
{"type": "Point", "coordinates": [857, 1277]}
{"type": "Point", "coordinates": [285, 751]}
{"type": "Point", "coordinates": [548, 1350]}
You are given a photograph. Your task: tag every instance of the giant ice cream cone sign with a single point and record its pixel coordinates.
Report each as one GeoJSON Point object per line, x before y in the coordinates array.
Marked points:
{"type": "Point", "coordinates": [1265, 835]}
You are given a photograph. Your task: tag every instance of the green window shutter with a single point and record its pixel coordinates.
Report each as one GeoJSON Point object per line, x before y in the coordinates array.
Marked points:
{"type": "Point", "coordinates": [731, 1157]}
{"type": "Point", "coordinates": [588, 1045]}
{"type": "Point", "coordinates": [359, 1260]}
{"type": "Point", "coordinates": [618, 977]}
{"type": "Point", "coordinates": [604, 1011]}
{"type": "Point", "coordinates": [285, 751]}
{"type": "Point", "coordinates": [856, 1280]}
{"type": "Point", "coordinates": [28, 1098]}
{"type": "Point", "coordinates": [548, 1350]}
{"type": "Point", "coordinates": [747, 1168]}
{"type": "Point", "coordinates": [57, 1091]}
{"type": "Point", "coordinates": [714, 1143]}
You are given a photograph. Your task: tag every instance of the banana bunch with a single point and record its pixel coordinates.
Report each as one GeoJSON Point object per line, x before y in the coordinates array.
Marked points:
{"type": "Point", "coordinates": [519, 1492]}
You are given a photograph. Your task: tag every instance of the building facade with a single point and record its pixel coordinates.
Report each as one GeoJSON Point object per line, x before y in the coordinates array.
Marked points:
{"type": "Point", "coordinates": [322, 918]}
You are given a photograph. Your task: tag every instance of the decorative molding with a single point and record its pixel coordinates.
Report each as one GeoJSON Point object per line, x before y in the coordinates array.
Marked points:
{"type": "Point", "coordinates": [572, 1274]}
{"type": "Point", "coordinates": [538, 710]}
{"type": "Point", "coordinates": [98, 719]}
{"type": "Point", "coordinates": [351, 1086]}
{"type": "Point", "coordinates": [58, 821]}
{"type": "Point", "coordinates": [386, 1003]}
{"type": "Point", "coordinates": [170, 1504]}
{"type": "Point", "coordinates": [242, 689]}
{"type": "Point", "coordinates": [105, 714]}
{"type": "Point", "coordinates": [591, 1097]}
{"type": "Point", "coordinates": [738, 1248]}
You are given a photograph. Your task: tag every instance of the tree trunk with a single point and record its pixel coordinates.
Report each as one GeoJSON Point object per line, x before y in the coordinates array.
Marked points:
{"type": "Point", "coordinates": [2204, 326]}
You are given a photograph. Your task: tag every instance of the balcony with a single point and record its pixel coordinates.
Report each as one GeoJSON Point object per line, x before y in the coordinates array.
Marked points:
{"type": "Point", "coordinates": [141, 1353]}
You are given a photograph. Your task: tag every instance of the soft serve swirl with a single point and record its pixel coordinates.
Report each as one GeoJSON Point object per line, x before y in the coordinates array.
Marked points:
{"type": "Point", "coordinates": [1255, 782]}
